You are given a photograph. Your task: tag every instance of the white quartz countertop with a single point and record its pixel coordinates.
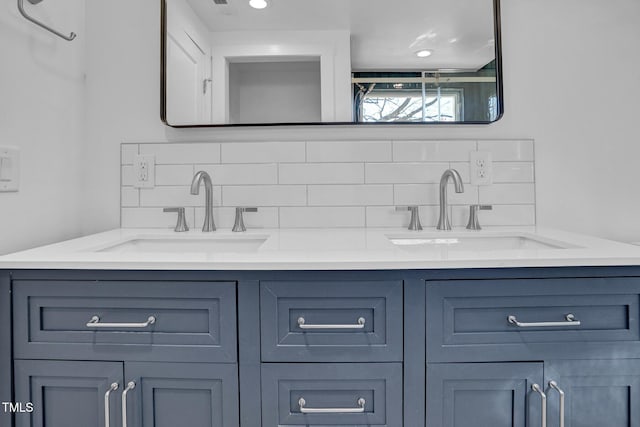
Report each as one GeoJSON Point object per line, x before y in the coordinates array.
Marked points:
{"type": "Point", "coordinates": [321, 249]}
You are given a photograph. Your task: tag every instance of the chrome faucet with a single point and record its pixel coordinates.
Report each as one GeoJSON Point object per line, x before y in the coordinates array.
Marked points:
{"type": "Point", "coordinates": [443, 222]}
{"type": "Point", "coordinates": [208, 203]}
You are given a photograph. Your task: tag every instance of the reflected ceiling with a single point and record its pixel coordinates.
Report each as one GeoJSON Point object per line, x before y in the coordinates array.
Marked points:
{"type": "Point", "coordinates": [460, 33]}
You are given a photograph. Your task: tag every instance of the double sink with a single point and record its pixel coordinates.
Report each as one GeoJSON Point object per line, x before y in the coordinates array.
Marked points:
{"type": "Point", "coordinates": [421, 242]}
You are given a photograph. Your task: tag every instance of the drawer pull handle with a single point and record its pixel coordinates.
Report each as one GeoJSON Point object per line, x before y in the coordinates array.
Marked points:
{"type": "Point", "coordinates": [570, 320]}
{"type": "Point", "coordinates": [538, 389]}
{"type": "Point", "coordinates": [360, 409]}
{"type": "Point", "coordinates": [130, 386]}
{"type": "Point", "coordinates": [107, 410]}
{"type": "Point", "coordinates": [554, 385]}
{"type": "Point", "coordinates": [95, 323]}
{"type": "Point", "coordinates": [359, 325]}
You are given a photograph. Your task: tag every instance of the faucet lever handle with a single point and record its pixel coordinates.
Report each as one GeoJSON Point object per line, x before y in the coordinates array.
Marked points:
{"type": "Point", "coordinates": [181, 224]}
{"type": "Point", "coordinates": [414, 222]}
{"type": "Point", "coordinates": [473, 223]}
{"type": "Point", "coordinates": [238, 225]}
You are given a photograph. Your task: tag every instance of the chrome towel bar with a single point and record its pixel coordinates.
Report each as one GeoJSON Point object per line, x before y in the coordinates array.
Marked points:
{"type": "Point", "coordinates": [40, 24]}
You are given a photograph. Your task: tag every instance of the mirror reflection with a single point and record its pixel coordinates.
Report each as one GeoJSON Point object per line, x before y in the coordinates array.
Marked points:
{"type": "Point", "coordinates": [240, 62]}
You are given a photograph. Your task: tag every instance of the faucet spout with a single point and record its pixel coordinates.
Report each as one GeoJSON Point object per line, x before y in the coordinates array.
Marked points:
{"type": "Point", "coordinates": [200, 177]}
{"type": "Point", "coordinates": [443, 221]}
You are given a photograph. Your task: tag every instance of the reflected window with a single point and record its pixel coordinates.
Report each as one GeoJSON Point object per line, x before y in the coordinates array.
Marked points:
{"type": "Point", "coordinates": [433, 106]}
{"type": "Point", "coordinates": [425, 97]}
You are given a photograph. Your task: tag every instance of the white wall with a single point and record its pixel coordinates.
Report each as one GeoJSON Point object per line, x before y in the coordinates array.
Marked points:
{"type": "Point", "coordinates": [42, 113]}
{"type": "Point", "coordinates": [275, 92]}
{"type": "Point", "coordinates": [562, 61]}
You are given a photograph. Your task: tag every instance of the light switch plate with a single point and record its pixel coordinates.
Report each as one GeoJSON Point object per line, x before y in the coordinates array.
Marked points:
{"type": "Point", "coordinates": [9, 169]}
{"type": "Point", "coordinates": [144, 171]}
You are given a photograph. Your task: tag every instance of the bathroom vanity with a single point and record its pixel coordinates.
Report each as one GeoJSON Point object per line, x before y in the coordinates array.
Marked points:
{"type": "Point", "coordinates": [321, 328]}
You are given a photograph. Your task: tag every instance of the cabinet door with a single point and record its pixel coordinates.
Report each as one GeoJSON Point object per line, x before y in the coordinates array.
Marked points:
{"type": "Point", "coordinates": [182, 394]}
{"type": "Point", "coordinates": [69, 394]}
{"type": "Point", "coordinates": [597, 392]}
{"type": "Point", "coordinates": [483, 395]}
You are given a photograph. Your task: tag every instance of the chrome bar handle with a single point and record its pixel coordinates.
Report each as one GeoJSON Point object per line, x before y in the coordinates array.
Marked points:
{"type": "Point", "coordinates": [554, 385]}
{"type": "Point", "coordinates": [570, 320]}
{"type": "Point", "coordinates": [303, 409]}
{"type": "Point", "coordinates": [95, 323]}
{"type": "Point", "coordinates": [359, 325]}
{"type": "Point", "coordinates": [107, 407]}
{"type": "Point", "coordinates": [130, 387]}
{"type": "Point", "coordinates": [538, 389]}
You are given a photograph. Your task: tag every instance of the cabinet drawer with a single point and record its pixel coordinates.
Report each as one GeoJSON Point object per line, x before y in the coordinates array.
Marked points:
{"type": "Point", "coordinates": [368, 394]}
{"type": "Point", "coordinates": [193, 321]}
{"type": "Point", "coordinates": [331, 321]}
{"type": "Point", "coordinates": [516, 319]}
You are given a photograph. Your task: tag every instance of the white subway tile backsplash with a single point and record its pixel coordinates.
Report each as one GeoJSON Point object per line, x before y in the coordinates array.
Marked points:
{"type": "Point", "coordinates": [127, 152]}
{"type": "Point", "coordinates": [500, 215]}
{"type": "Point", "coordinates": [264, 195]}
{"type": "Point", "coordinates": [129, 197]}
{"type": "Point", "coordinates": [399, 173]}
{"type": "Point", "coordinates": [350, 195]}
{"type": "Point", "coordinates": [429, 194]}
{"type": "Point", "coordinates": [432, 151]}
{"type": "Point", "coordinates": [183, 153]}
{"type": "Point", "coordinates": [512, 172]}
{"type": "Point", "coordinates": [174, 174]}
{"type": "Point", "coordinates": [239, 174]}
{"type": "Point", "coordinates": [507, 194]}
{"type": "Point", "coordinates": [387, 216]}
{"type": "Point", "coordinates": [508, 150]}
{"type": "Point", "coordinates": [320, 217]}
{"type": "Point", "coordinates": [126, 175]}
{"type": "Point", "coordinates": [224, 218]}
{"type": "Point", "coordinates": [329, 183]}
{"type": "Point", "coordinates": [349, 151]}
{"type": "Point", "coordinates": [322, 173]}
{"type": "Point", "coordinates": [263, 152]}
{"type": "Point", "coordinates": [175, 196]}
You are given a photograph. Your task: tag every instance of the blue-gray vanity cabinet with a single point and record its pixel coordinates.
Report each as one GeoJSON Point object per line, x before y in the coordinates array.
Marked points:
{"type": "Point", "coordinates": [334, 394]}
{"type": "Point", "coordinates": [182, 394]}
{"type": "Point", "coordinates": [597, 393]}
{"type": "Point", "coordinates": [75, 394]}
{"type": "Point", "coordinates": [5, 348]}
{"type": "Point", "coordinates": [67, 394]}
{"type": "Point", "coordinates": [331, 321]}
{"type": "Point", "coordinates": [483, 395]}
{"type": "Point", "coordinates": [468, 320]}
{"type": "Point", "coordinates": [193, 321]}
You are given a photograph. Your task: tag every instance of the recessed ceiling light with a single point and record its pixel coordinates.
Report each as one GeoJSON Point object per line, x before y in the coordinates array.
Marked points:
{"type": "Point", "coordinates": [423, 53]}
{"type": "Point", "coordinates": [258, 4]}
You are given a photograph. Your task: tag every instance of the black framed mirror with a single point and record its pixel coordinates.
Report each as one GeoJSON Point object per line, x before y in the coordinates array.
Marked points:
{"type": "Point", "coordinates": [355, 62]}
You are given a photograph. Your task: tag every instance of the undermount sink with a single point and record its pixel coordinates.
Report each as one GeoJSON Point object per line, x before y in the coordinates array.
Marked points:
{"type": "Point", "coordinates": [221, 244]}
{"type": "Point", "coordinates": [469, 242]}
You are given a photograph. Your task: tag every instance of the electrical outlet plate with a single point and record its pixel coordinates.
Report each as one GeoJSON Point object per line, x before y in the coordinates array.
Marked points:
{"type": "Point", "coordinates": [144, 171]}
{"type": "Point", "coordinates": [481, 168]}
{"type": "Point", "coordinates": [9, 169]}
